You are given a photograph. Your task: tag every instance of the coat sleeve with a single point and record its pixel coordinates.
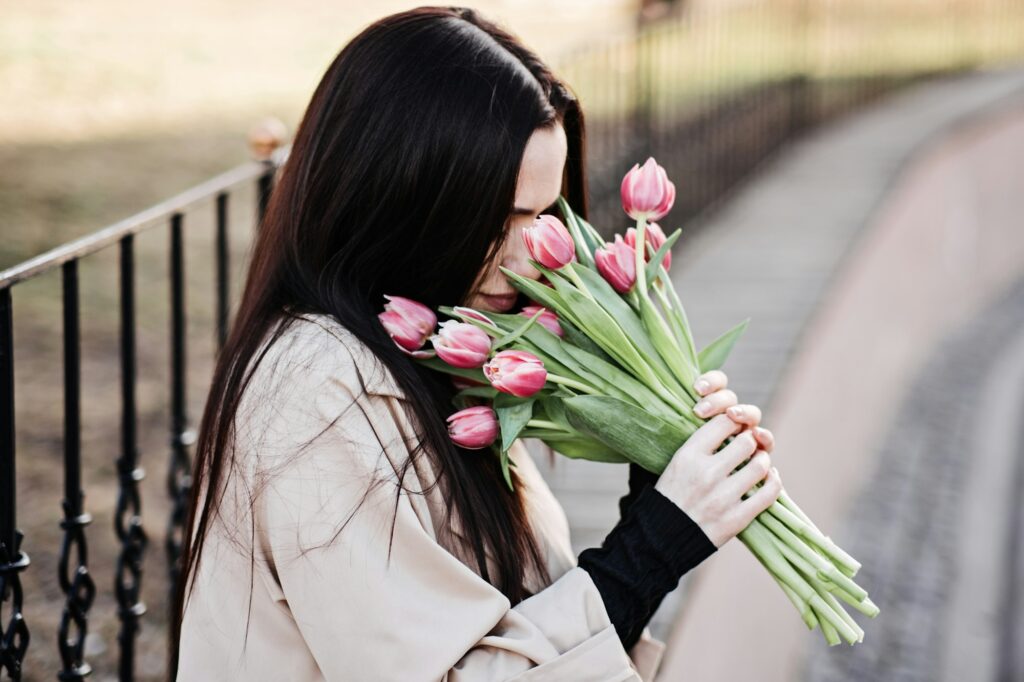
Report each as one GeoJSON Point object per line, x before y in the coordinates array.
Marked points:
{"type": "Point", "coordinates": [382, 599]}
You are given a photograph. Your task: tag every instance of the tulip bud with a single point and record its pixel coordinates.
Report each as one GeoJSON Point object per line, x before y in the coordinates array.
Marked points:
{"type": "Point", "coordinates": [549, 242]}
{"type": "Point", "coordinates": [647, 192]}
{"type": "Point", "coordinates": [616, 263]}
{"type": "Point", "coordinates": [516, 372]}
{"type": "Point", "coordinates": [654, 236]}
{"type": "Point", "coordinates": [547, 318]}
{"type": "Point", "coordinates": [460, 344]}
{"type": "Point", "coordinates": [474, 427]}
{"type": "Point", "coordinates": [407, 322]}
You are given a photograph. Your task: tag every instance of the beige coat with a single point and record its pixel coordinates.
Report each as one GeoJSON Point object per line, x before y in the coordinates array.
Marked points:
{"type": "Point", "coordinates": [340, 611]}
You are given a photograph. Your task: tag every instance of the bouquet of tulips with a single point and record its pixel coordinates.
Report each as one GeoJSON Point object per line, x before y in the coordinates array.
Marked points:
{"type": "Point", "coordinates": [602, 368]}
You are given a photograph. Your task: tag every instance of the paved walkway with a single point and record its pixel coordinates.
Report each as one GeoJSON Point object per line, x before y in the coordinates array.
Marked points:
{"type": "Point", "coordinates": [775, 254]}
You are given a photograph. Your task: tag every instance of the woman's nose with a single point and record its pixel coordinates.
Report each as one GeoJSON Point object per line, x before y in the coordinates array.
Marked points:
{"type": "Point", "coordinates": [517, 257]}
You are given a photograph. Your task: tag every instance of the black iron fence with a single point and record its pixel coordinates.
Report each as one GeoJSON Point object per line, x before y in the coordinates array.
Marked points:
{"type": "Point", "coordinates": [74, 577]}
{"type": "Point", "coordinates": [710, 92]}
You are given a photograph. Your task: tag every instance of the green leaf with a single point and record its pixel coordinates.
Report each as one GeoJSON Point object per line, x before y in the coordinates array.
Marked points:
{"type": "Point", "coordinates": [665, 343]}
{"type": "Point", "coordinates": [678, 316]}
{"type": "Point", "coordinates": [548, 347]}
{"type": "Point", "coordinates": [585, 448]}
{"type": "Point", "coordinates": [442, 366]}
{"type": "Point", "coordinates": [642, 437]}
{"type": "Point", "coordinates": [715, 353]}
{"type": "Point", "coordinates": [585, 242]}
{"type": "Point", "coordinates": [591, 231]}
{"type": "Point", "coordinates": [508, 400]}
{"type": "Point", "coordinates": [600, 326]}
{"type": "Point", "coordinates": [677, 320]}
{"type": "Point", "coordinates": [503, 458]}
{"type": "Point", "coordinates": [621, 383]}
{"type": "Point", "coordinates": [655, 263]}
{"type": "Point", "coordinates": [488, 392]}
{"type": "Point", "coordinates": [515, 334]}
{"type": "Point", "coordinates": [575, 337]}
{"type": "Point", "coordinates": [629, 322]}
{"type": "Point", "coordinates": [512, 418]}
{"type": "Point", "coordinates": [544, 295]}
{"type": "Point", "coordinates": [552, 409]}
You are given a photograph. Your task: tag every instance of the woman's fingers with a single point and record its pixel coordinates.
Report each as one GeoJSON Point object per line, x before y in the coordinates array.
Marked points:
{"type": "Point", "coordinates": [715, 403]}
{"type": "Point", "coordinates": [752, 473]}
{"type": "Point", "coordinates": [749, 415]}
{"type": "Point", "coordinates": [712, 380]}
{"type": "Point", "coordinates": [735, 453]}
{"type": "Point", "coordinates": [765, 438]}
{"type": "Point", "coordinates": [709, 437]}
{"type": "Point", "coordinates": [763, 497]}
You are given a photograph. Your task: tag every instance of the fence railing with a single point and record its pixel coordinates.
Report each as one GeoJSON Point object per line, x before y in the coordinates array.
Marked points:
{"type": "Point", "coordinates": [711, 92]}
{"type": "Point", "coordinates": [75, 579]}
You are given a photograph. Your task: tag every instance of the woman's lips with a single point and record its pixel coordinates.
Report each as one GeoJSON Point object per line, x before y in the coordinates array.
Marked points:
{"type": "Point", "coordinates": [501, 303]}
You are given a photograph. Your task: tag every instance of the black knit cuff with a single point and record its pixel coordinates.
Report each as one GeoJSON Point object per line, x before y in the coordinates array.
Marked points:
{"type": "Point", "coordinates": [679, 541]}
{"type": "Point", "coordinates": [642, 559]}
{"type": "Point", "coordinates": [639, 478]}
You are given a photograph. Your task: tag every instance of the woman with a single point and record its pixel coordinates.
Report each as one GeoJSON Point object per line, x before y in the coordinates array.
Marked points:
{"type": "Point", "coordinates": [348, 536]}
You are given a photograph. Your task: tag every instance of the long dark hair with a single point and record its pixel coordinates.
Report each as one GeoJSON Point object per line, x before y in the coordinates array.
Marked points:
{"type": "Point", "coordinates": [400, 180]}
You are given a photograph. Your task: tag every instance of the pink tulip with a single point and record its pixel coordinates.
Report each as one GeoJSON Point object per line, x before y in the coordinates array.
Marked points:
{"type": "Point", "coordinates": [547, 318]}
{"type": "Point", "coordinates": [654, 236]}
{"type": "Point", "coordinates": [460, 344]}
{"type": "Point", "coordinates": [474, 427]}
{"type": "Point", "coordinates": [549, 242]}
{"type": "Point", "coordinates": [647, 192]}
{"type": "Point", "coordinates": [616, 263]}
{"type": "Point", "coordinates": [517, 372]}
{"type": "Point", "coordinates": [408, 323]}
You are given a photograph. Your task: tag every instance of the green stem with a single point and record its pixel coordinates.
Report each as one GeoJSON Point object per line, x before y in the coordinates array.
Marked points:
{"type": "Point", "coordinates": [838, 608]}
{"type": "Point", "coordinates": [677, 307]}
{"type": "Point", "coordinates": [786, 501]}
{"type": "Point", "coordinates": [867, 607]}
{"type": "Point", "coordinates": [815, 536]}
{"type": "Point", "coordinates": [575, 279]}
{"type": "Point", "coordinates": [823, 568]}
{"type": "Point", "coordinates": [789, 504]}
{"type": "Point", "coordinates": [572, 383]}
{"type": "Point", "coordinates": [681, 333]}
{"type": "Point", "coordinates": [806, 612]}
{"type": "Point", "coordinates": [763, 542]}
{"type": "Point", "coordinates": [638, 256]}
{"type": "Point", "coordinates": [545, 434]}
{"type": "Point", "coordinates": [831, 634]}
{"type": "Point", "coordinates": [545, 424]}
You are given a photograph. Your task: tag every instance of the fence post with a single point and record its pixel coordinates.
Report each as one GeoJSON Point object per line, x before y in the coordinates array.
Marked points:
{"type": "Point", "coordinates": [14, 635]}
{"type": "Point", "coordinates": [264, 138]}
{"type": "Point", "coordinates": [75, 580]}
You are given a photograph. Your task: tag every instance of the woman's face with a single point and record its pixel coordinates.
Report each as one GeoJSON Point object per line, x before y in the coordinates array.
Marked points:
{"type": "Point", "coordinates": [537, 191]}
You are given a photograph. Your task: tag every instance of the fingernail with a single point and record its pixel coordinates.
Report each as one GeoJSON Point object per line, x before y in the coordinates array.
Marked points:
{"type": "Point", "coordinates": [735, 411]}
{"type": "Point", "coordinates": [702, 407]}
{"type": "Point", "coordinates": [702, 385]}
{"type": "Point", "coordinates": [762, 432]}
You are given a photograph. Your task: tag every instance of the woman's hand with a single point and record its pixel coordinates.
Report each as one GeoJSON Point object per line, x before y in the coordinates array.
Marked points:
{"type": "Point", "coordinates": [716, 398]}
{"type": "Point", "coordinates": [700, 481]}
